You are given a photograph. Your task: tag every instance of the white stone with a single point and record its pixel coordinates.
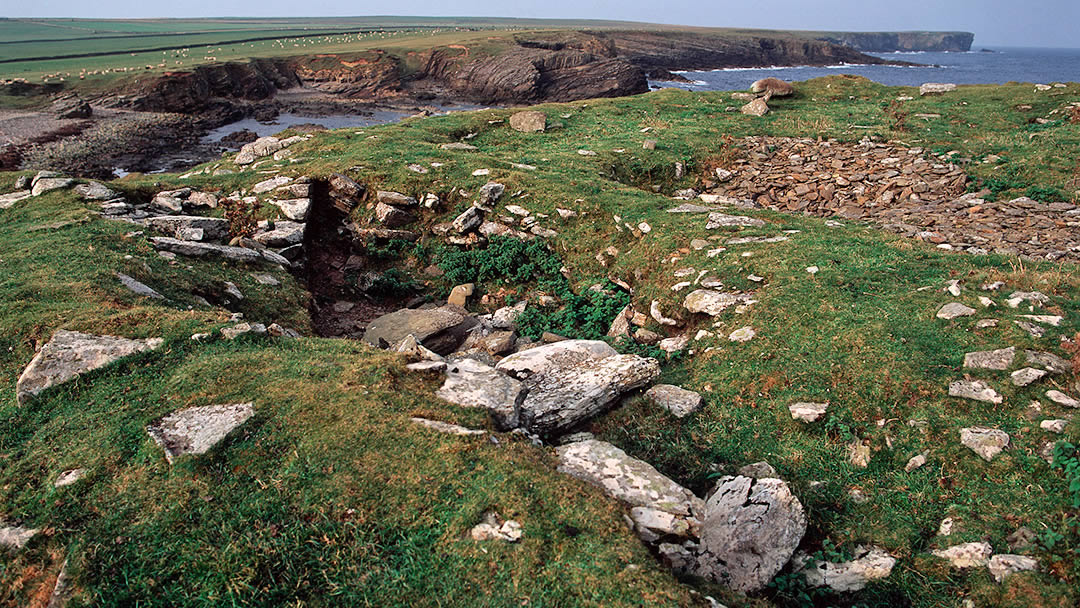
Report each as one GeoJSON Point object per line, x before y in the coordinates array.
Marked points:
{"type": "Point", "coordinates": [195, 430]}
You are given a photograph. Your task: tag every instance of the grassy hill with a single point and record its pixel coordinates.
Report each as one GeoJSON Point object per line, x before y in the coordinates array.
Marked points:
{"type": "Point", "coordinates": [331, 497]}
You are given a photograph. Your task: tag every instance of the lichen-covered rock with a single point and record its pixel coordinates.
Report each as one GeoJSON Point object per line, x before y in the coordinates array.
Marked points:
{"type": "Point", "coordinates": [69, 354]}
{"type": "Point", "coordinates": [529, 121]}
{"type": "Point", "coordinates": [95, 191]}
{"type": "Point", "coordinates": [808, 412]}
{"type": "Point", "coordinates": [633, 482]}
{"type": "Point", "coordinates": [284, 234]}
{"type": "Point", "coordinates": [679, 401]}
{"type": "Point", "coordinates": [751, 530]}
{"type": "Point", "coordinates": [723, 220]}
{"type": "Point", "coordinates": [195, 430]}
{"type": "Point", "coordinates": [554, 357]}
{"type": "Point", "coordinates": [757, 107]}
{"type": "Point", "coordinates": [48, 184]}
{"type": "Point", "coordinates": [470, 383]}
{"type": "Point", "coordinates": [1004, 564]}
{"type": "Point", "coordinates": [391, 216]}
{"type": "Point", "coordinates": [439, 329]}
{"type": "Point", "coordinates": [953, 310]}
{"type": "Point", "coordinates": [213, 228]}
{"type": "Point", "coordinates": [198, 250]}
{"type": "Point", "coordinates": [295, 209]}
{"type": "Point", "coordinates": [712, 302]}
{"type": "Point", "coordinates": [985, 442]}
{"type": "Point", "coordinates": [999, 359]}
{"type": "Point", "coordinates": [557, 402]}
{"type": "Point", "coordinates": [974, 389]}
{"type": "Point", "coordinates": [966, 555]}
{"type": "Point", "coordinates": [14, 538]}
{"type": "Point", "coordinates": [869, 564]}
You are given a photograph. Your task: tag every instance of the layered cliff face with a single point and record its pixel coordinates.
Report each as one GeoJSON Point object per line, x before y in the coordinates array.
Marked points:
{"type": "Point", "coordinates": [371, 76]}
{"type": "Point", "coordinates": [528, 68]}
{"type": "Point", "coordinates": [887, 42]}
{"type": "Point", "coordinates": [690, 51]}
{"type": "Point", "coordinates": [208, 86]}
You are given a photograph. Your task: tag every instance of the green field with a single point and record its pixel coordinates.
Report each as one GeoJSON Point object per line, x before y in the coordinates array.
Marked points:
{"type": "Point", "coordinates": [86, 47]}
{"type": "Point", "coordinates": [329, 497]}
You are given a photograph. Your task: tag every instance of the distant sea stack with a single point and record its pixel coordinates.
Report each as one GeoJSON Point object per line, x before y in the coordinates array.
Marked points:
{"type": "Point", "coordinates": [888, 42]}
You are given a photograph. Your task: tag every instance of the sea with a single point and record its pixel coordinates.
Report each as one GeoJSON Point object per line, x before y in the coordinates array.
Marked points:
{"type": "Point", "coordinates": [994, 65]}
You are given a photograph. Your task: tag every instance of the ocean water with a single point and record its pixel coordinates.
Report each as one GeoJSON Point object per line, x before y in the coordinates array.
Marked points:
{"type": "Point", "coordinates": [1005, 64]}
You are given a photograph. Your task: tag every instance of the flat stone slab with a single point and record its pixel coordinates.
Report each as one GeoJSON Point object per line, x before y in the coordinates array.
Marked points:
{"type": "Point", "coordinates": [633, 482]}
{"type": "Point", "coordinates": [446, 427]}
{"type": "Point", "coordinates": [723, 220]}
{"type": "Point", "coordinates": [48, 184]}
{"type": "Point", "coordinates": [808, 412]}
{"type": "Point", "coordinates": [712, 302]}
{"type": "Point", "coordinates": [138, 288]}
{"type": "Point", "coordinates": [1061, 398]}
{"type": "Point", "coordinates": [751, 529]}
{"type": "Point", "coordinates": [559, 401]}
{"type": "Point", "coordinates": [974, 389]}
{"type": "Point", "coordinates": [954, 310]}
{"type": "Point", "coordinates": [869, 564]}
{"type": "Point", "coordinates": [985, 442]}
{"type": "Point", "coordinates": [999, 359]}
{"type": "Point", "coordinates": [295, 209]}
{"type": "Point", "coordinates": [1048, 361]}
{"type": "Point", "coordinates": [438, 329]}
{"type": "Point", "coordinates": [9, 199]}
{"type": "Point", "coordinates": [213, 228]}
{"type": "Point", "coordinates": [69, 354]}
{"type": "Point", "coordinates": [679, 401]}
{"type": "Point", "coordinates": [15, 537]}
{"type": "Point", "coordinates": [195, 430]}
{"type": "Point", "coordinates": [1005, 564]}
{"type": "Point", "coordinates": [1026, 376]}
{"type": "Point", "coordinates": [553, 357]}
{"type": "Point", "coordinates": [197, 249]}
{"type": "Point", "coordinates": [689, 208]}
{"type": "Point", "coordinates": [470, 383]}
{"type": "Point", "coordinates": [967, 555]}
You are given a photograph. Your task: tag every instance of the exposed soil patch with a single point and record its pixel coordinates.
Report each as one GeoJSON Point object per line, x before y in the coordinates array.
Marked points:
{"type": "Point", "coordinates": [335, 271]}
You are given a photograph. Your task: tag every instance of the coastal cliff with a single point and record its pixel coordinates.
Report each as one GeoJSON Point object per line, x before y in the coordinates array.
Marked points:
{"type": "Point", "coordinates": [525, 68]}
{"type": "Point", "coordinates": [888, 42]}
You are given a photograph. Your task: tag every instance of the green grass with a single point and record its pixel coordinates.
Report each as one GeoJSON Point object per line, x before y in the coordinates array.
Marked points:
{"type": "Point", "coordinates": [329, 496]}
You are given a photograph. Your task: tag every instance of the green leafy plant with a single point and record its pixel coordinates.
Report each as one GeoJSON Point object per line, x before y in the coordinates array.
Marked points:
{"type": "Point", "coordinates": [1067, 458]}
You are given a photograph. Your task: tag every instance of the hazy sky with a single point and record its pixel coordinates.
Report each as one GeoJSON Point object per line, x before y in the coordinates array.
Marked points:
{"type": "Point", "coordinates": [995, 22]}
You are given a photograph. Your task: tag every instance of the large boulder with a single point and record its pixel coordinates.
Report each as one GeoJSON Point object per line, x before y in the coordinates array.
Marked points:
{"type": "Point", "coordinates": [751, 529]}
{"type": "Point", "coordinates": [69, 354]}
{"type": "Point", "coordinates": [554, 357]}
{"type": "Point", "coordinates": [48, 184]}
{"type": "Point", "coordinates": [529, 121]}
{"type": "Point", "coordinates": [560, 400]}
{"type": "Point", "coordinates": [633, 482]}
{"type": "Point", "coordinates": [470, 383]}
{"type": "Point", "coordinates": [195, 430]}
{"type": "Point", "coordinates": [439, 329]}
